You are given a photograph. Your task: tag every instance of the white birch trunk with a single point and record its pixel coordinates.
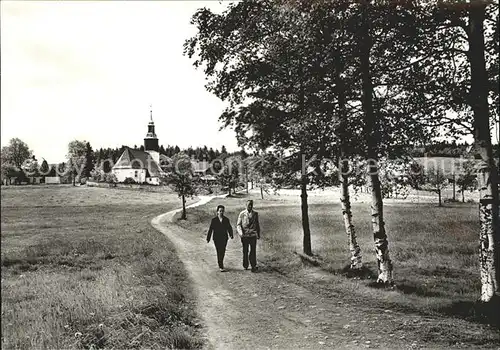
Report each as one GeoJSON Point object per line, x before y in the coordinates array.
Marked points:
{"type": "Point", "coordinates": [378, 226]}
{"type": "Point", "coordinates": [372, 142]}
{"type": "Point", "coordinates": [489, 222]}
{"type": "Point", "coordinates": [356, 261]}
{"type": "Point", "coordinates": [487, 173]}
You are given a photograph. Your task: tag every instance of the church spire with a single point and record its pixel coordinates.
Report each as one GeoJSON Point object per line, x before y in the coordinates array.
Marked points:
{"type": "Point", "coordinates": [151, 141]}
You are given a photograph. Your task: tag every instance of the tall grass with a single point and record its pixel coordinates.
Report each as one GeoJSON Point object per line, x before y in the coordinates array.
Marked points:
{"type": "Point", "coordinates": [83, 268]}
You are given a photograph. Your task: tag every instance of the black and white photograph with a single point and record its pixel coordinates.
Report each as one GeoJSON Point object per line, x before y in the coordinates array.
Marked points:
{"type": "Point", "coordinates": [253, 174]}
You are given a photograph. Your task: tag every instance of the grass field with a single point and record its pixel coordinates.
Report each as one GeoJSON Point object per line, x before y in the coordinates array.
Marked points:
{"type": "Point", "coordinates": [434, 251]}
{"type": "Point", "coordinates": [83, 268]}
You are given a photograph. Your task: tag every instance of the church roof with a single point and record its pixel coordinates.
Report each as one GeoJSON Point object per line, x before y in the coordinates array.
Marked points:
{"type": "Point", "coordinates": [136, 159]}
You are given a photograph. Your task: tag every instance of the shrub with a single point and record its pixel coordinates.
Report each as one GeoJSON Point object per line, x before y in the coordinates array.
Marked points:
{"type": "Point", "coordinates": [129, 181]}
{"type": "Point", "coordinates": [110, 178]}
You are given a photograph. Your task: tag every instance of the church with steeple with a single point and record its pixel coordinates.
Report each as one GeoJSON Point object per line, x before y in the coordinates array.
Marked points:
{"type": "Point", "coordinates": [151, 141]}
{"type": "Point", "coordinates": [141, 166]}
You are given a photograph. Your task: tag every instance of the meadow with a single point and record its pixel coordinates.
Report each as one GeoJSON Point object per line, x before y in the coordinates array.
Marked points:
{"type": "Point", "coordinates": [434, 252]}
{"type": "Point", "coordinates": [83, 268]}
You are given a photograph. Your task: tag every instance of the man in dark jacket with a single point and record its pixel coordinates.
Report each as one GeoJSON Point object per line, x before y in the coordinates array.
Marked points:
{"type": "Point", "coordinates": [220, 227]}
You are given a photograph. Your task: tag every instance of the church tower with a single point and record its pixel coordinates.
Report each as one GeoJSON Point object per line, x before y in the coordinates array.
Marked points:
{"type": "Point", "coordinates": [151, 141]}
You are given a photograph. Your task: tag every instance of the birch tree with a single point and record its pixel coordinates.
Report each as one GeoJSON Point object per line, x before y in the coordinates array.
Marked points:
{"type": "Point", "coordinates": [489, 235]}
{"type": "Point", "coordinates": [455, 73]}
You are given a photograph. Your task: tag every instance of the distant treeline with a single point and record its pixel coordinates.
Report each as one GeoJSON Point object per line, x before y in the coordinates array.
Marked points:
{"type": "Point", "coordinates": [447, 149]}
{"type": "Point", "coordinates": [198, 153]}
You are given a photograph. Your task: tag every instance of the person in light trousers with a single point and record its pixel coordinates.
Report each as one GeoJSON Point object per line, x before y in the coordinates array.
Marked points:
{"type": "Point", "coordinates": [248, 228]}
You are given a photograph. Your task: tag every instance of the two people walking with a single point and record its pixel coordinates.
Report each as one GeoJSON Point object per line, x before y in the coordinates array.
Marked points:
{"type": "Point", "coordinates": [248, 229]}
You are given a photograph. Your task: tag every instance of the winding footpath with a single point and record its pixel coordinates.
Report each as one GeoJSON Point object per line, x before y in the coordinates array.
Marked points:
{"type": "Point", "coordinates": [264, 310]}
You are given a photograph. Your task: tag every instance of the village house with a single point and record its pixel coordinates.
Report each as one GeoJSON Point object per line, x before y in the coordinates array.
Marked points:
{"type": "Point", "coordinates": [202, 169]}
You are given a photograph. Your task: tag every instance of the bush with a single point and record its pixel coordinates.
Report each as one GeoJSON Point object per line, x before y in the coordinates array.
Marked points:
{"type": "Point", "coordinates": [129, 181]}
{"type": "Point", "coordinates": [110, 178]}
{"type": "Point", "coordinates": [98, 175]}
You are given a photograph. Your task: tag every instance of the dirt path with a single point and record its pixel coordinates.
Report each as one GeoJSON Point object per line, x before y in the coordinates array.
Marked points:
{"type": "Point", "coordinates": [264, 310]}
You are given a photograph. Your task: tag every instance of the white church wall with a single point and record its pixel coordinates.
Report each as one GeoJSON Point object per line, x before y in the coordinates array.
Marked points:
{"type": "Point", "coordinates": [153, 180]}
{"type": "Point", "coordinates": [139, 175]}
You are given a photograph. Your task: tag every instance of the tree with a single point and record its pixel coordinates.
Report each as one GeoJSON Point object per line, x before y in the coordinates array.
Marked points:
{"type": "Point", "coordinates": [235, 164]}
{"type": "Point", "coordinates": [30, 168]}
{"type": "Point", "coordinates": [372, 140]}
{"type": "Point", "coordinates": [396, 177]}
{"type": "Point", "coordinates": [44, 168]}
{"type": "Point", "coordinates": [224, 173]}
{"type": "Point", "coordinates": [181, 179]}
{"type": "Point", "coordinates": [16, 152]}
{"type": "Point", "coordinates": [8, 172]}
{"type": "Point", "coordinates": [61, 168]}
{"type": "Point", "coordinates": [467, 178]}
{"type": "Point", "coordinates": [342, 55]}
{"type": "Point", "coordinates": [52, 171]}
{"type": "Point", "coordinates": [487, 176]}
{"type": "Point", "coordinates": [287, 72]}
{"type": "Point", "coordinates": [106, 166]}
{"type": "Point", "coordinates": [261, 169]}
{"type": "Point", "coordinates": [101, 156]}
{"type": "Point", "coordinates": [435, 181]}
{"type": "Point", "coordinates": [211, 154]}
{"type": "Point", "coordinates": [467, 85]}
{"type": "Point", "coordinates": [384, 35]}
{"type": "Point", "coordinates": [77, 152]}
{"type": "Point", "coordinates": [89, 160]}
{"type": "Point", "coordinates": [268, 104]}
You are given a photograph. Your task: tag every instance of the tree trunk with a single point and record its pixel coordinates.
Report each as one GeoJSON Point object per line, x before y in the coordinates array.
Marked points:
{"type": "Point", "coordinates": [305, 216]}
{"type": "Point", "coordinates": [183, 216]}
{"type": "Point", "coordinates": [439, 197]}
{"type": "Point", "coordinates": [463, 196]}
{"type": "Point", "coordinates": [487, 173]}
{"type": "Point", "coordinates": [246, 179]}
{"type": "Point", "coordinates": [454, 187]}
{"type": "Point", "coordinates": [356, 262]}
{"type": "Point", "coordinates": [261, 190]}
{"type": "Point", "coordinates": [372, 140]}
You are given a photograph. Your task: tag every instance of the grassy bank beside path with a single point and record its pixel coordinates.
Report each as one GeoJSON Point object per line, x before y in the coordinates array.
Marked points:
{"type": "Point", "coordinates": [82, 267]}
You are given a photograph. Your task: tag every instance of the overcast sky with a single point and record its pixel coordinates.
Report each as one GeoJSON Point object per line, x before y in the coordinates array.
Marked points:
{"type": "Point", "coordinates": [89, 71]}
